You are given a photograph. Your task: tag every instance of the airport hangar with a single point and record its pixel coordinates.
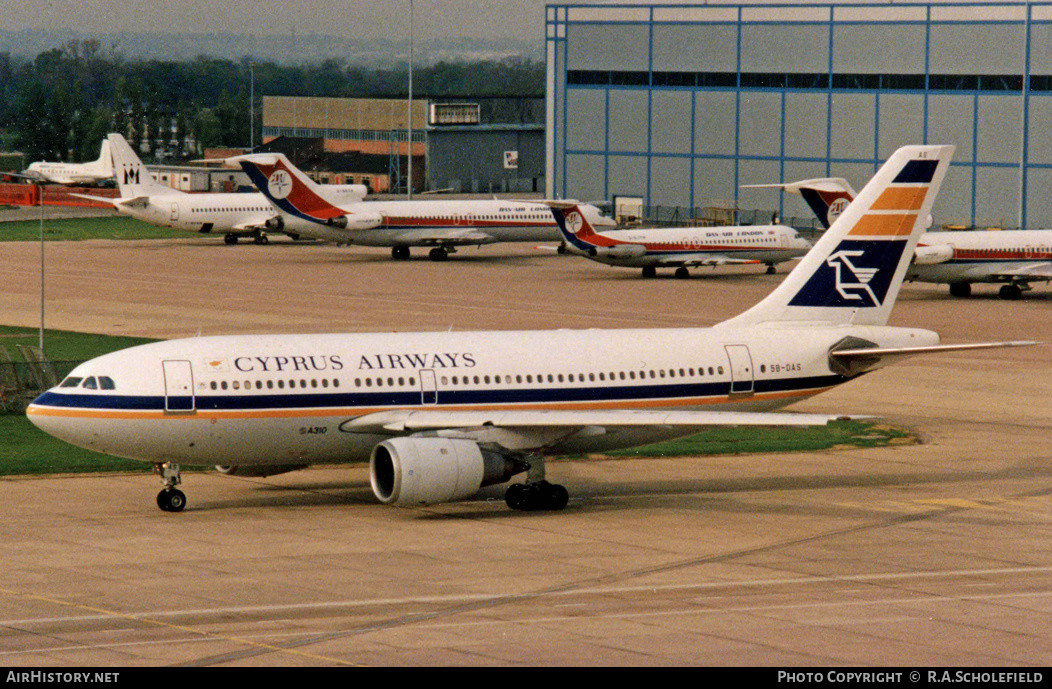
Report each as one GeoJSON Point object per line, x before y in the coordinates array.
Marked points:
{"type": "Point", "coordinates": [680, 105]}
{"type": "Point", "coordinates": [475, 144]}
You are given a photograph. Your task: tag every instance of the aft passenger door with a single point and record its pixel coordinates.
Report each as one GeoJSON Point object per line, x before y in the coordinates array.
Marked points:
{"type": "Point", "coordinates": [178, 386]}
{"type": "Point", "coordinates": [741, 370]}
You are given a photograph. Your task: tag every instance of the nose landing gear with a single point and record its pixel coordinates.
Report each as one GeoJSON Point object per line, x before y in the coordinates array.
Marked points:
{"type": "Point", "coordinates": [171, 499]}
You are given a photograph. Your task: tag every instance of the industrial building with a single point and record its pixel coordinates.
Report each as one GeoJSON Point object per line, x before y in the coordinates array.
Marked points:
{"type": "Point", "coordinates": [680, 105]}
{"type": "Point", "coordinates": [475, 144]}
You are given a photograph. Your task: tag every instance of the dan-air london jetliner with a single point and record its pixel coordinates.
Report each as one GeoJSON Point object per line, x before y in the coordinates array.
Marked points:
{"type": "Point", "coordinates": [440, 414]}
{"type": "Point", "coordinates": [678, 247]}
{"type": "Point", "coordinates": [442, 225]}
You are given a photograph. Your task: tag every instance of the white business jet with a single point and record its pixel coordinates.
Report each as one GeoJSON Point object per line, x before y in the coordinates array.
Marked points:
{"type": "Point", "coordinates": [681, 248]}
{"type": "Point", "coordinates": [94, 172]}
{"type": "Point", "coordinates": [441, 414]}
{"type": "Point", "coordinates": [231, 214]}
{"type": "Point", "coordinates": [442, 225]}
{"type": "Point", "coordinates": [1012, 258]}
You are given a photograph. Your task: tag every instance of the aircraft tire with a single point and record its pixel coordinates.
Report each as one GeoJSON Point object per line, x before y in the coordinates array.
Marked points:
{"type": "Point", "coordinates": [438, 254]}
{"type": "Point", "coordinates": [1010, 292]}
{"type": "Point", "coordinates": [961, 289]}
{"type": "Point", "coordinates": [173, 500]}
{"type": "Point", "coordinates": [649, 271]}
{"type": "Point", "coordinates": [230, 239]}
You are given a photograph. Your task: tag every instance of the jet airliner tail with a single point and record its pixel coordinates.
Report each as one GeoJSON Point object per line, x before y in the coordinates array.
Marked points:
{"type": "Point", "coordinates": [574, 225]}
{"type": "Point", "coordinates": [133, 179]}
{"type": "Point", "coordinates": [288, 188]}
{"type": "Point", "coordinates": [854, 272]}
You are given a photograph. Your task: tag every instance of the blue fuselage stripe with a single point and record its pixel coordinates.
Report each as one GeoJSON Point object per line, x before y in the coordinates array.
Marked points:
{"type": "Point", "coordinates": [235, 401]}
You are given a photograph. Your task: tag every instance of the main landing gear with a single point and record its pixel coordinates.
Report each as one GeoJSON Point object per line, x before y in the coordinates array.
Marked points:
{"type": "Point", "coordinates": [536, 494]}
{"type": "Point", "coordinates": [171, 499]}
{"type": "Point", "coordinates": [258, 238]}
{"type": "Point", "coordinates": [439, 253]}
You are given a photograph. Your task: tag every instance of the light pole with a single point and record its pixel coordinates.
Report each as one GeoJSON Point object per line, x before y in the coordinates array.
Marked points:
{"type": "Point", "coordinates": [251, 105]}
{"type": "Point", "coordinates": [39, 182]}
{"type": "Point", "coordinates": [409, 149]}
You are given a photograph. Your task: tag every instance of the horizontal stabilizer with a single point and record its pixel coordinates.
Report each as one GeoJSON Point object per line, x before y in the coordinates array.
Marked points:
{"type": "Point", "coordinates": [855, 361]}
{"type": "Point", "coordinates": [101, 199]}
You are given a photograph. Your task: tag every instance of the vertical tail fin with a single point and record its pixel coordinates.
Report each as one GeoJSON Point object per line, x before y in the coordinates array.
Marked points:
{"type": "Point", "coordinates": [133, 179]}
{"type": "Point", "coordinates": [287, 187]}
{"type": "Point", "coordinates": [573, 223]}
{"type": "Point", "coordinates": [854, 272]}
{"type": "Point", "coordinates": [827, 197]}
{"type": "Point", "coordinates": [104, 164]}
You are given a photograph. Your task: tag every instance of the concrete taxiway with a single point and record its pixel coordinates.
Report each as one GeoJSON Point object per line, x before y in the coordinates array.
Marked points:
{"type": "Point", "coordinates": [934, 554]}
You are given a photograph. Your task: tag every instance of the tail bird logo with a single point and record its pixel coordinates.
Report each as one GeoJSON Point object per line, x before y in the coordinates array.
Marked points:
{"type": "Point", "coordinates": [852, 282]}
{"type": "Point", "coordinates": [279, 184]}
{"type": "Point", "coordinates": [857, 274]}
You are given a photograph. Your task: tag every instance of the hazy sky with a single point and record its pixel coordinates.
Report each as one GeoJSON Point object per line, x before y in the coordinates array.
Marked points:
{"type": "Point", "coordinates": [523, 19]}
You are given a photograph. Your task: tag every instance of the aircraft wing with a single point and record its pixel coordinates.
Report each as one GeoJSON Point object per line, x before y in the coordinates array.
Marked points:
{"type": "Point", "coordinates": [703, 260]}
{"type": "Point", "coordinates": [459, 236]}
{"type": "Point", "coordinates": [532, 430]}
{"type": "Point", "coordinates": [1033, 271]}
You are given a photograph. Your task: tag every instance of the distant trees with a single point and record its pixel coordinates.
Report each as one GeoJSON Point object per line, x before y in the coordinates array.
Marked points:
{"type": "Point", "coordinates": [60, 105]}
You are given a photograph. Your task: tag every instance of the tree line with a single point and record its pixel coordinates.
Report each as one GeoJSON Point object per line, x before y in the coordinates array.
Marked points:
{"type": "Point", "coordinates": [61, 104]}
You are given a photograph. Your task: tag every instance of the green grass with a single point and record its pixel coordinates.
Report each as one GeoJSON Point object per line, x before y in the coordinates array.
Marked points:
{"type": "Point", "coordinates": [26, 450]}
{"type": "Point", "coordinates": [61, 345]}
{"type": "Point", "coordinates": [776, 439]}
{"type": "Point", "coordinates": [74, 229]}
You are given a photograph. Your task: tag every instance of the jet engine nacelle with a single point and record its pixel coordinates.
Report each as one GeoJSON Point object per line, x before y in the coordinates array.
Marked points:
{"type": "Point", "coordinates": [261, 471]}
{"type": "Point", "coordinates": [619, 252]}
{"type": "Point", "coordinates": [930, 255]}
{"type": "Point", "coordinates": [275, 224]}
{"type": "Point", "coordinates": [426, 471]}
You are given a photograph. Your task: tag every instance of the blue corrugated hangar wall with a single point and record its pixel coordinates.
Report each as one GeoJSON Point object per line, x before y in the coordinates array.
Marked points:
{"type": "Point", "coordinates": [683, 104]}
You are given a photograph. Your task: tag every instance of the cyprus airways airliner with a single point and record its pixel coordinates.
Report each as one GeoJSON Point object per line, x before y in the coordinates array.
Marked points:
{"type": "Point", "coordinates": [1013, 258]}
{"type": "Point", "coordinates": [679, 247]}
{"type": "Point", "coordinates": [442, 225]}
{"type": "Point", "coordinates": [440, 414]}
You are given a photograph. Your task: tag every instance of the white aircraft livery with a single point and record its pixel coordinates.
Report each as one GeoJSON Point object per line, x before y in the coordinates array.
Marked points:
{"type": "Point", "coordinates": [678, 247]}
{"type": "Point", "coordinates": [442, 225]}
{"type": "Point", "coordinates": [1013, 258]}
{"type": "Point", "coordinates": [95, 172]}
{"type": "Point", "coordinates": [232, 214]}
{"type": "Point", "coordinates": [440, 414]}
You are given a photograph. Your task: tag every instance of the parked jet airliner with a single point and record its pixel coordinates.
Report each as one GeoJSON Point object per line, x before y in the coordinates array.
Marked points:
{"type": "Point", "coordinates": [679, 247]}
{"type": "Point", "coordinates": [1013, 257]}
{"type": "Point", "coordinates": [441, 414]}
{"type": "Point", "coordinates": [233, 215]}
{"type": "Point", "coordinates": [443, 225]}
{"type": "Point", "coordinates": [95, 172]}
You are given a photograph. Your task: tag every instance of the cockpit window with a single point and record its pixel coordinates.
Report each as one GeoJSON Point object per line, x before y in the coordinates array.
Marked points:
{"type": "Point", "coordinates": [106, 383]}
{"type": "Point", "coordinates": [71, 382]}
{"type": "Point", "coordinates": [90, 383]}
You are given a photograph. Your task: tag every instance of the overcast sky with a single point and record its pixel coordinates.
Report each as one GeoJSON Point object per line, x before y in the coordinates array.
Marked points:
{"type": "Point", "coordinates": [497, 19]}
